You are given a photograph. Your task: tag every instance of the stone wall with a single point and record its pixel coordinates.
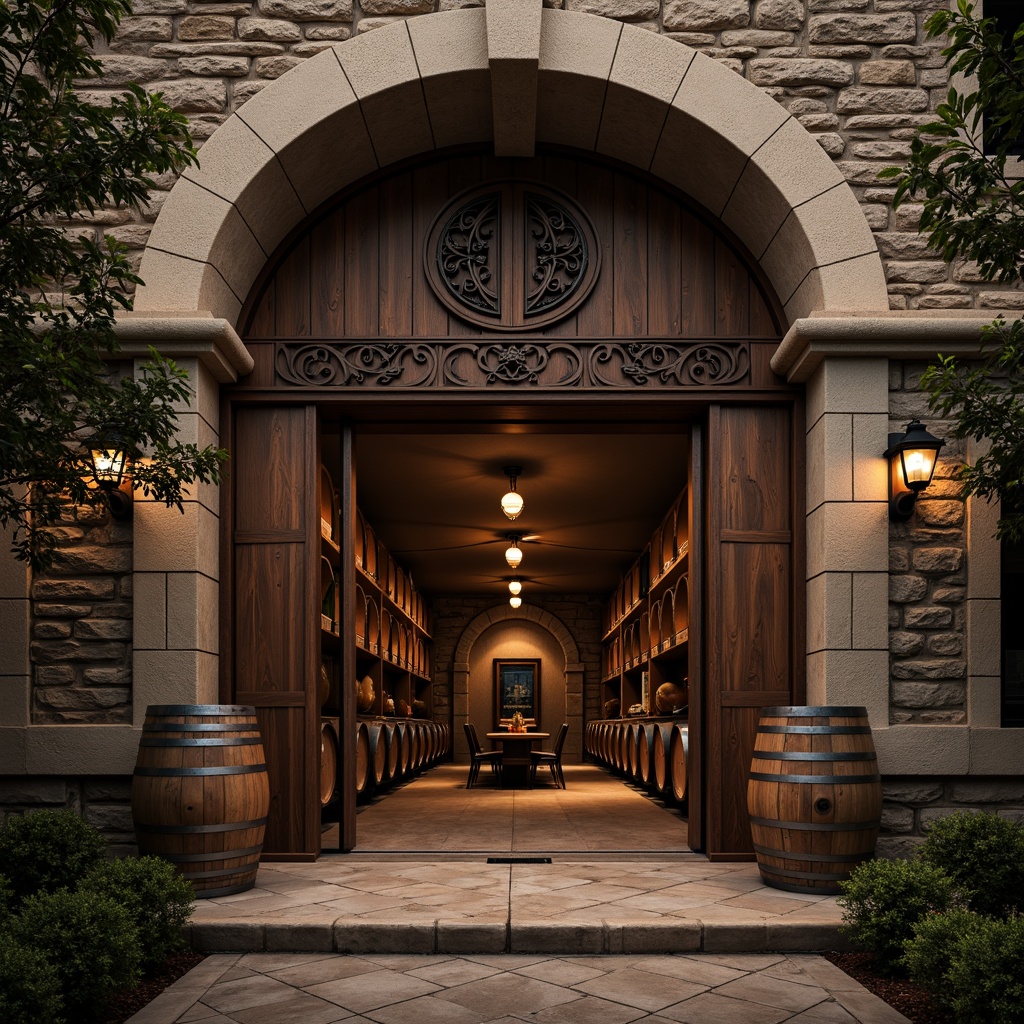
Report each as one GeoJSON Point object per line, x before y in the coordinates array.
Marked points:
{"type": "Point", "coordinates": [912, 804]}
{"type": "Point", "coordinates": [928, 578]}
{"type": "Point", "coordinates": [858, 74]}
{"type": "Point", "coordinates": [580, 613]}
{"type": "Point", "coordinates": [81, 651]}
{"type": "Point", "coordinates": [102, 801]}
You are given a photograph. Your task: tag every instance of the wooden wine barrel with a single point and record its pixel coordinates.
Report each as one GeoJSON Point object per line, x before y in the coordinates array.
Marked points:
{"type": "Point", "coordinates": [660, 777]}
{"type": "Point", "coordinates": [200, 794]}
{"type": "Point", "coordinates": [328, 760]}
{"type": "Point", "coordinates": [393, 739]}
{"type": "Point", "coordinates": [678, 758]}
{"type": "Point", "coordinates": [378, 752]}
{"type": "Point", "coordinates": [814, 796]}
{"type": "Point", "coordinates": [363, 761]}
{"type": "Point", "coordinates": [645, 753]}
{"type": "Point", "coordinates": [407, 751]}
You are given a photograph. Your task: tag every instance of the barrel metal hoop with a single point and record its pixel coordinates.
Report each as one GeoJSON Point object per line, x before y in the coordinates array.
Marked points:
{"type": "Point", "coordinates": [815, 755]}
{"type": "Point", "coordinates": [817, 858]}
{"type": "Point", "coordinates": [826, 711]}
{"type": "Point", "coordinates": [198, 727]}
{"type": "Point", "coordinates": [201, 710]}
{"type": "Point", "coordinates": [817, 730]}
{"type": "Point", "coordinates": [234, 769]}
{"type": "Point", "coordinates": [807, 826]}
{"type": "Point", "coordinates": [238, 741]}
{"type": "Point", "coordinates": [786, 873]}
{"type": "Point", "coordinates": [188, 830]}
{"type": "Point", "coordinates": [821, 780]}
{"type": "Point", "coordinates": [196, 858]}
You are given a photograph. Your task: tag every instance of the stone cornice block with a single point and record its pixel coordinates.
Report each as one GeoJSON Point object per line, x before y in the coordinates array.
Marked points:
{"type": "Point", "coordinates": [926, 749]}
{"type": "Point", "coordinates": [513, 53]}
{"type": "Point", "coordinates": [211, 340]}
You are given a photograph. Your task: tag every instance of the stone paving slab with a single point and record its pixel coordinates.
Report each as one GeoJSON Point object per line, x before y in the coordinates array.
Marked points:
{"type": "Point", "coordinates": [478, 988]}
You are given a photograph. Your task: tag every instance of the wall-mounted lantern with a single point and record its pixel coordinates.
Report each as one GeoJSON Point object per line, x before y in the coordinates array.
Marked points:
{"type": "Point", "coordinates": [111, 458]}
{"type": "Point", "coordinates": [912, 456]}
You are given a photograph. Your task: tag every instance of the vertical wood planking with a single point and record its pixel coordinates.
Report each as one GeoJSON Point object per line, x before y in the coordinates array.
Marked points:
{"type": "Point", "coordinates": [262, 322]}
{"type": "Point", "coordinates": [463, 173]}
{"type": "Point", "coordinates": [698, 277]}
{"type": "Point", "coordinates": [396, 257]}
{"type": "Point", "coordinates": [327, 277]}
{"type": "Point", "coordinates": [429, 194]}
{"type": "Point", "coordinates": [362, 243]}
{"type": "Point", "coordinates": [291, 319]}
{"type": "Point", "coordinates": [761, 320]}
{"type": "Point", "coordinates": [732, 306]}
{"type": "Point", "coordinates": [630, 240]}
{"type": "Point", "coordinates": [664, 281]}
{"type": "Point", "coordinates": [560, 173]}
{"type": "Point", "coordinates": [596, 193]}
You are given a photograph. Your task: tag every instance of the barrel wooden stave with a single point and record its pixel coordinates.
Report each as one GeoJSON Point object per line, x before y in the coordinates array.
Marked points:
{"type": "Point", "coordinates": [808, 834]}
{"type": "Point", "coordinates": [679, 756]}
{"type": "Point", "coordinates": [200, 794]}
{"type": "Point", "coordinates": [363, 772]}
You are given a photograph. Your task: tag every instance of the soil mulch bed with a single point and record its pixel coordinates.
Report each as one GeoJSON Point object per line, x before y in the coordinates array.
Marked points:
{"type": "Point", "coordinates": [900, 993]}
{"type": "Point", "coordinates": [126, 1004]}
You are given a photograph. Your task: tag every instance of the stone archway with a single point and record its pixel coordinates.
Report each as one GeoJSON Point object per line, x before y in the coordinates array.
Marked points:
{"type": "Point", "coordinates": [516, 75]}
{"type": "Point", "coordinates": [573, 671]}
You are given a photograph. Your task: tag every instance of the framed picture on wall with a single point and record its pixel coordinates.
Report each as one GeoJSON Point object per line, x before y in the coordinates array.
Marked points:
{"type": "Point", "coordinates": [516, 688]}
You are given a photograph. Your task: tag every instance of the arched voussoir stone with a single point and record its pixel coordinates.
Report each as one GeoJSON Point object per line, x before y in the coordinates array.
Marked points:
{"type": "Point", "coordinates": [423, 83]}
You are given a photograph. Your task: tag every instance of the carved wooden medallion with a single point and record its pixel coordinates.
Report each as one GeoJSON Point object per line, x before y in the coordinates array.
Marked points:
{"type": "Point", "coordinates": [512, 256]}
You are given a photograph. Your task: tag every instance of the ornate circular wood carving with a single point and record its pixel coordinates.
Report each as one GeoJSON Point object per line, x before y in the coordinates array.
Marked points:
{"type": "Point", "coordinates": [512, 256]}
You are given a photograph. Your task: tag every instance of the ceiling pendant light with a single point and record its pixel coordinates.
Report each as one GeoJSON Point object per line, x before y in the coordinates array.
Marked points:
{"type": "Point", "coordinates": [515, 588]}
{"type": "Point", "coordinates": [512, 500]}
{"type": "Point", "coordinates": [515, 601]}
{"type": "Point", "coordinates": [513, 553]}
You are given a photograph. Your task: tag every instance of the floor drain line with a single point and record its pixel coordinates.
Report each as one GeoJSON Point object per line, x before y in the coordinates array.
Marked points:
{"type": "Point", "coordinates": [518, 860]}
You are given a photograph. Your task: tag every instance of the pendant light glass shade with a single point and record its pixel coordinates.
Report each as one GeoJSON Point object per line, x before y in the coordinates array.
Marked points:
{"type": "Point", "coordinates": [515, 588]}
{"type": "Point", "coordinates": [515, 601]}
{"type": "Point", "coordinates": [512, 501]}
{"type": "Point", "coordinates": [512, 504]}
{"type": "Point", "coordinates": [514, 553]}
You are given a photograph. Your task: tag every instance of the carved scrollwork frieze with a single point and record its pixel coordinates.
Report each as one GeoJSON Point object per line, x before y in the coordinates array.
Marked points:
{"type": "Point", "coordinates": [655, 365]}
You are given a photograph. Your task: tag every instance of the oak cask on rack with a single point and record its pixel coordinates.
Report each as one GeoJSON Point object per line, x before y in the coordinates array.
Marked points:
{"type": "Point", "coordinates": [200, 794]}
{"type": "Point", "coordinates": [814, 796]}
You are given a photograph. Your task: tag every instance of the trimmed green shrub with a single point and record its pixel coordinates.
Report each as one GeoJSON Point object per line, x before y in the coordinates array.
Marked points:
{"type": "Point", "coordinates": [158, 899]}
{"type": "Point", "coordinates": [972, 965]}
{"type": "Point", "coordinates": [91, 942]}
{"type": "Point", "coordinates": [48, 850]}
{"type": "Point", "coordinates": [29, 986]}
{"type": "Point", "coordinates": [984, 855]}
{"type": "Point", "coordinates": [884, 899]}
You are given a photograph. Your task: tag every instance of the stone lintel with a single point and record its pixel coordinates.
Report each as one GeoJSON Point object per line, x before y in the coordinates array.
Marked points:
{"type": "Point", "coordinates": [513, 54]}
{"type": "Point", "coordinates": [212, 340]}
{"type": "Point", "coordinates": [896, 334]}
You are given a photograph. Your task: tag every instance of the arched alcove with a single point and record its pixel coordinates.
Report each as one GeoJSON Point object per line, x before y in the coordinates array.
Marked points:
{"type": "Point", "coordinates": [572, 679]}
{"type": "Point", "coordinates": [430, 83]}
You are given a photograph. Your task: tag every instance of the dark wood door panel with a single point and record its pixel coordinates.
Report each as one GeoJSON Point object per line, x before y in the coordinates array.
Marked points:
{"type": "Point", "coordinates": [358, 270]}
{"type": "Point", "coordinates": [267, 477]}
{"type": "Point", "coordinates": [283, 731]}
{"type": "Point", "coordinates": [754, 474]}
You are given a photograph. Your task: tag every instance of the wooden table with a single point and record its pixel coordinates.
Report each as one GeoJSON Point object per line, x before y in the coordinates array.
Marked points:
{"type": "Point", "coordinates": [515, 754]}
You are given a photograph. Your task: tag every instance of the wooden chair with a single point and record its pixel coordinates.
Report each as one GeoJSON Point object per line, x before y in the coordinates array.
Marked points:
{"type": "Point", "coordinates": [479, 756]}
{"type": "Point", "coordinates": [553, 759]}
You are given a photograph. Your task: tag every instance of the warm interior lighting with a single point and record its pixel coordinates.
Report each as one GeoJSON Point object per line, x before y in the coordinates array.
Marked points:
{"type": "Point", "coordinates": [512, 500]}
{"type": "Point", "coordinates": [515, 588]}
{"type": "Point", "coordinates": [515, 601]}
{"type": "Point", "coordinates": [513, 553]}
{"type": "Point", "coordinates": [912, 456]}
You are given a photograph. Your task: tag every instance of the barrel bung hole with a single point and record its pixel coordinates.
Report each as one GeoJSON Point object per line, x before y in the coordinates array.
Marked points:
{"type": "Point", "coordinates": [822, 805]}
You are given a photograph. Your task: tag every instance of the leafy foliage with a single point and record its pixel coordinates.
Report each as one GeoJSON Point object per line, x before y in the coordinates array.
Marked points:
{"type": "Point", "coordinates": [984, 855]}
{"type": "Point", "coordinates": [47, 850]}
{"type": "Point", "coordinates": [156, 897]}
{"type": "Point", "coordinates": [972, 210]}
{"type": "Point", "coordinates": [91, 942]}
{"type": "Point", "coordinates": [884, 899]}
{"type": "Point", "coordinates": [29, 985]}
{"type": "Point", "coordinates": [61, 155]}
{"type": "Point", "coordinates": [972, 965]}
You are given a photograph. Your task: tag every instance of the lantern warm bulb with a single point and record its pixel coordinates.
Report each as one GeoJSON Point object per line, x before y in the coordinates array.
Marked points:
{"type": "Point", "coordinates": [515, 601]}
{"type": "Point", "coordinates": [512, 500]}
{"type": "Point", "coordinates": [514, 554]}
{"type": "Point", "coordinates": [515, 588]}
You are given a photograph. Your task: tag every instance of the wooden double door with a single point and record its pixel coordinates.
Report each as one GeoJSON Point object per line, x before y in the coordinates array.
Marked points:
{"type": "Point", "coordinates": [357, 320]}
